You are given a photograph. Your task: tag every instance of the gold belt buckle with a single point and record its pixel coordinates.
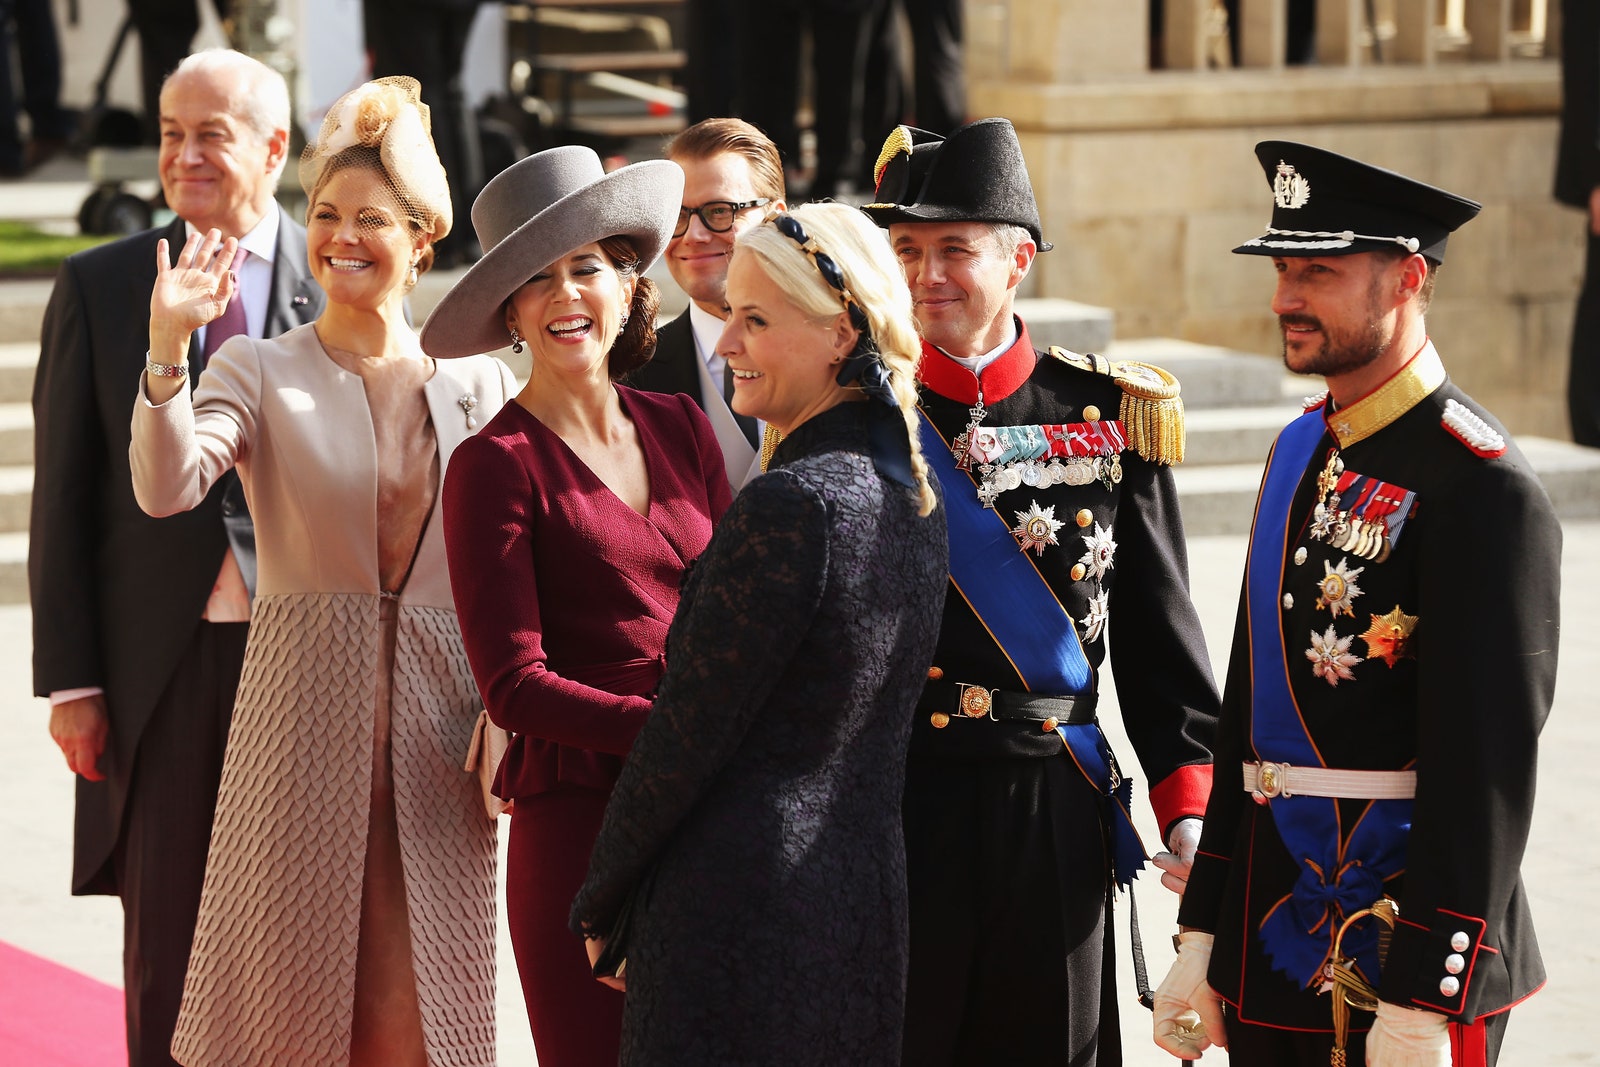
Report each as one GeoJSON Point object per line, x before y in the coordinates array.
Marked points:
{"type": "Point", "coordinates": [1270, 780]}
{"type": "Point", "coordinates": [976, 701]}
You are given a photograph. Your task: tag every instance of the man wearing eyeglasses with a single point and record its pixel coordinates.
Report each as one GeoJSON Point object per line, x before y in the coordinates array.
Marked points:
{"type": "Point", "coordinates": [1063, 523]}
{"type": "Point", "coordinates": [733, 178]}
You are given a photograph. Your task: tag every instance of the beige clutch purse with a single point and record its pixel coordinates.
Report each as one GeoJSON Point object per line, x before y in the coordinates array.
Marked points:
{"type": "Point", "coordinates": [489, 743]}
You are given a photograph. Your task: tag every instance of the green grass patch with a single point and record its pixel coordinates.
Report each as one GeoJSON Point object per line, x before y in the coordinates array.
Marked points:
{"type": "Point", "coordinates": [27, 252]}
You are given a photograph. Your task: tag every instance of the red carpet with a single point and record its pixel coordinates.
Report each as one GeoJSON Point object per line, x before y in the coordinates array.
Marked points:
{"type": "Point", "coordinates": [51, 1016]}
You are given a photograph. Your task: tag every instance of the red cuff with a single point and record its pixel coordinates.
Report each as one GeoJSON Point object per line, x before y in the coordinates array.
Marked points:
{"type": "Point", "coordinates": [1181, 794]}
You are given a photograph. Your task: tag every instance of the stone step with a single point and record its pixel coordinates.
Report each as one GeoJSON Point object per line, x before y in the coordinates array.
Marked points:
{"type": "Point", "coordinates": [1221, 498]}
{"type": "Point", "coordinates": [1212, 376]}
{"type": "Point", "coordinates": [13, 568]}
{"type": "Point", "coordinates": [18, 360]}
{"type": "Point", "coordinates": [1233, 434]}
{"type": "Point", "coordinates": [16, 434]}
{"type": "Point", "coordinates": [16, 492]}
{"type": "Point", "coordinates": [1074, 326]}
{"type": "Point", "coordinates": [22, 305]}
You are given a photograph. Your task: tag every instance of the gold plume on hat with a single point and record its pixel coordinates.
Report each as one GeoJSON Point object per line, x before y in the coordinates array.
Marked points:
{"type": "Point", "coordinates": [899, 140]}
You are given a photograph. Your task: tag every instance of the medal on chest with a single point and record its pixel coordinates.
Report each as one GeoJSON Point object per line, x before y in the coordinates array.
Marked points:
{"type": "Point", "coordinates": [1042, 455]}
{"type": "Point", "coordinates": [959, 447]}
{"type": "Point", "coordinates": [1360, 517]}
{"type": "Point", "coordinates": [1359, 514]}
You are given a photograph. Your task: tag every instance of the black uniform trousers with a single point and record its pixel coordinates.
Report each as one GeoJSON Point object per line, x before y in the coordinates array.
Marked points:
{"type": "Point", "coordinates": [938, 100]}
{"type": "Point", "coordinates": [160, 859]}
{"type": "Point", "coordinates": [769, 89]}
{"type": "Point", "coordinates": [1583, 379]}
{"type": "Point", "coordinates": [1011, 959]}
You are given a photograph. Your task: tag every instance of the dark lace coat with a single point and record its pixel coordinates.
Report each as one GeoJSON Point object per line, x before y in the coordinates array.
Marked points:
{"type": "Point", "coordinates": [765, 786]}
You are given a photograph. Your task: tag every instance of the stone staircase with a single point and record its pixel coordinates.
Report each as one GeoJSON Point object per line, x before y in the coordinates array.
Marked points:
{"type": "Point", "coordinates": [1235, 404]}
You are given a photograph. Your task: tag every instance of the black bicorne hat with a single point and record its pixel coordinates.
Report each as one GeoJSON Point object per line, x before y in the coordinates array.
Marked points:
{"type": "Point", "coordinates": [1325, 204]}
{"type": "Point", "coordinates": [974, 175]}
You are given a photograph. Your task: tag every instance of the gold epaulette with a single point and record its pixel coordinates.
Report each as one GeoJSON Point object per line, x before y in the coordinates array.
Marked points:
{"type": "Point", "coordinates": [1152, 409]}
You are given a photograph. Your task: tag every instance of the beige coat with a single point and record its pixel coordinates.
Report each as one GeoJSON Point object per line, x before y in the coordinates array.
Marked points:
{"type": "Point", "coordinates": [272, 975]}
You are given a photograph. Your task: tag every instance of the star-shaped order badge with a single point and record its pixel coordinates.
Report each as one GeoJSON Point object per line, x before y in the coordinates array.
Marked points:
{"type": "Point", "coordinates": [1338, 587]}
{"type": "Point", "coordinates": [1330, 656]}
{"type": "Point", "coordinates": [1101, 552]}
{"type": "Point", "coordinates": [1099, 610]}
{"type": "Point", "coordinates": [1389, 636]}
{"type": "Point", "coordinates": [1036, 528]}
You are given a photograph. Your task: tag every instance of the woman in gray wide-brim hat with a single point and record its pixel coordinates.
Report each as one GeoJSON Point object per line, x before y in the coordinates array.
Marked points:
{"type": "Point", "coordinates": [568, 521]}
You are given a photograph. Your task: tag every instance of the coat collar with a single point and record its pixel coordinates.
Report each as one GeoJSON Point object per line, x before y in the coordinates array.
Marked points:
{"type": "Point", "coordinates": [943, 375]}
{"type": "Point", "coordinates": [1409, 386]}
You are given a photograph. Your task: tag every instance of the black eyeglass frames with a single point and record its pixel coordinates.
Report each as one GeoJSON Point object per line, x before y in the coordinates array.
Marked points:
{"type": "Point", "coordinates": [716, 215]}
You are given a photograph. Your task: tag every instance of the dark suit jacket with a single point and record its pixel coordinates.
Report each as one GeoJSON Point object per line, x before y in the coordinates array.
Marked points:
{"type": "Point", "coordinates": [672, 369]}
{"type": "Point", "coordinates": [1578, 160]}
{"type": "Point", "coordinates": [116, 594]}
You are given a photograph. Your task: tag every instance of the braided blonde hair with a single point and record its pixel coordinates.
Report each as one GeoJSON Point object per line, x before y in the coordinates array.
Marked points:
{"type": "Point", "coordinates": [877, 284]}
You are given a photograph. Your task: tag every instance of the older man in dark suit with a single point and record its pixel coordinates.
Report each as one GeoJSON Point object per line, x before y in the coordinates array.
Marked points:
{"type": "Point", "coordinates": [733, 179]}
{"type": "Point", "coordinates": [139, 623]}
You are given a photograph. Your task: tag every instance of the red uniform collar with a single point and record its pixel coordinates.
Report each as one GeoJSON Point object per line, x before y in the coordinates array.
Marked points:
{"type": "Point", "coordinates": [1001, 378]}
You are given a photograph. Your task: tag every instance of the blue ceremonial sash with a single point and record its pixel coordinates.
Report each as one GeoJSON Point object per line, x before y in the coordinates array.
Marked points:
{"type": "Point", "coordinates": [1297, 934]}
{"type": "Point", "coordinates": [1018, 608]}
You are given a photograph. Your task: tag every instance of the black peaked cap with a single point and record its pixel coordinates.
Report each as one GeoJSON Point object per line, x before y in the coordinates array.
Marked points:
{"type": "Point", "coordinates": [1325, 204]}
{"type": "Point", "coordinates": [974, 175]}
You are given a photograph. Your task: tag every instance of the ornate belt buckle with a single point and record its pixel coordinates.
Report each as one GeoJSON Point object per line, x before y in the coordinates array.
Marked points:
{"type": "Point", "coordinates": [976, 701]}
{"type": "Point", "coordinates": [1271, 781]}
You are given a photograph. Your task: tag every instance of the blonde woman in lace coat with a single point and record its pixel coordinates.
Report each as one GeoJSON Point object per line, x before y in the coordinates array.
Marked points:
{"type": "Point", "coordinates": [348, 909]}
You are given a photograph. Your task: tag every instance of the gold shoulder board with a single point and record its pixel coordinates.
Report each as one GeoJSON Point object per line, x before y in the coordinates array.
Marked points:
{"type": "Point", "coordinates": [1152, 409]}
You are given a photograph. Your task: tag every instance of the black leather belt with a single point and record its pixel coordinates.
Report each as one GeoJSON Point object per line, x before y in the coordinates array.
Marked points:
{"type": "Point", "coordinates": [946, 701]}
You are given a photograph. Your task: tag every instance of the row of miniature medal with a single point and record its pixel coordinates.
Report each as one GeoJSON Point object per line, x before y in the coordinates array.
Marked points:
{"type": "Point", "coordinates": [1363, 517]}
{"type": "Point", "coordinates": [1009, 457]}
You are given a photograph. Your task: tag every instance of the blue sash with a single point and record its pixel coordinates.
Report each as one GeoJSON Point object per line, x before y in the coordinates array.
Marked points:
{"type": "Point", "coordinates": [1018, 608]}
{"type": "Point", "coordinates": [1334, 881]}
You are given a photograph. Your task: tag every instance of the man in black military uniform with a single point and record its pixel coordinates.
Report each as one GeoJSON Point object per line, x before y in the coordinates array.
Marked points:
{"type": "Point", "coordinates": [1388, 679]}
{"type": "Point", "coordinates": [1062, 515]}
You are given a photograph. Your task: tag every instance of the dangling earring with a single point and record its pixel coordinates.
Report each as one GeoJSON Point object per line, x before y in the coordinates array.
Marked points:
{"type": "Point", "coordinates": [516, 341]}
{"type": "Point", "coordinates": [623, 325]}
{"type": "Point", "coordinates": [411, 276]}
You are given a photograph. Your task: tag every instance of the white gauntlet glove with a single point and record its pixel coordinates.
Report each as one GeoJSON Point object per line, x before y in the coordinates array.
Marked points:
{"type": "Point", "coordinates": [1188, 1012]}
{"type": "Point", "coordinates": [1401, 1037]}
{"type": "Point", "coordinates": [1175, 865]}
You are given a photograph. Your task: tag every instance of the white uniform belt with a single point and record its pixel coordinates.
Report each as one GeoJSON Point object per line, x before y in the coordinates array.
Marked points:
{"type": "Point", "coordinates": [1268, 780]}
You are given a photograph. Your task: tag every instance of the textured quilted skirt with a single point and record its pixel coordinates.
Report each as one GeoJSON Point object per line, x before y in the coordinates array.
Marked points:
{"type": "Point", "coordinates": [272, 975]}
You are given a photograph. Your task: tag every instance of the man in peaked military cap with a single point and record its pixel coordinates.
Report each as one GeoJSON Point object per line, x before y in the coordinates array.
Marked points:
{"type": "Point", "coordinates": [1387, 683]}
{"type": "Point", "coordinates": [1062, 515]}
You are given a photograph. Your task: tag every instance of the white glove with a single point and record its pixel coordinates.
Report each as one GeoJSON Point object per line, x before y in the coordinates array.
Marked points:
{"type": "Point", "coordinates": [1188, 1012]}
{"type": "Point", "coordinates": [1402, 1037]}
{"type": "Point", "coordinates": [1175, 865]}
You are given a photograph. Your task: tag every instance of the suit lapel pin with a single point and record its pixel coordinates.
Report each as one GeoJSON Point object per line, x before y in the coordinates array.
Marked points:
{"type": "Point", "coordinates": [467, 403]}
{"type": "Point", "coordinates": [300, 301]}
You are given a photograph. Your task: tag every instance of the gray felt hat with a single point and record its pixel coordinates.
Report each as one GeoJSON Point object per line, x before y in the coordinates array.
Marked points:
{"type": "Point", "coordinates": [533, 213]}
